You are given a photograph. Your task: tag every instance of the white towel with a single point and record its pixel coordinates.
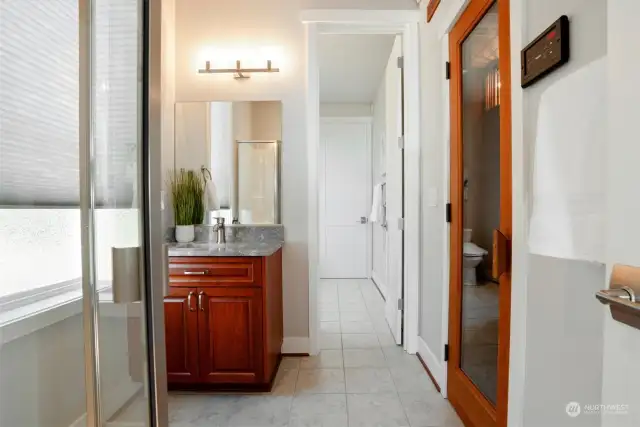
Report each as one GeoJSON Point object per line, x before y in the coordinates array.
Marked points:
{"type": "Point", "coordinates": [210, 197]}
{"type": "Point", "coordinates": [376, 206]}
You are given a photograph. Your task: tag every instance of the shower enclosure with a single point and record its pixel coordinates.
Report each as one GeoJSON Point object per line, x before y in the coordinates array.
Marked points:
{"type": "Point", "coordinates": [81, 255]}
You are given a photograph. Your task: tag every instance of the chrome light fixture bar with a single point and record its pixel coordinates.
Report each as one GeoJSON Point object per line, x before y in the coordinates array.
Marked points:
{"type": "Point", "coordinates": [238, 72]}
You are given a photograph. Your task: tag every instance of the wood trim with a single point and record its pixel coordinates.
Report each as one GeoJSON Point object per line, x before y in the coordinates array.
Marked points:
{"type": "Point", "coordinates": [506, 194]}
{"type": "Point", "coordinates": [295, 354]}
{"type": "Point", "coordinates": [426, 368]}
{"type": "Point", "coordinates": [273, 327]}
{"type": "Point", "coordinates": [472, 406]}
{"type": "Point", "coordinates": [432, 6]}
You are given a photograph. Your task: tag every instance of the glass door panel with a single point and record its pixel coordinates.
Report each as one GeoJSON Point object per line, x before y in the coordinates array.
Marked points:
{"type": "Point", "coordinates": [481, 202]}
{"type": "Point", "coordinates": [117, 134]}
{"type": "Point", "coordinates": [115, 152]}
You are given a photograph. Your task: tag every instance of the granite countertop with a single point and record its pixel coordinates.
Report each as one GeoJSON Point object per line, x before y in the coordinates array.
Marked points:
{"type": "Point", "coordinates": [259, 249]}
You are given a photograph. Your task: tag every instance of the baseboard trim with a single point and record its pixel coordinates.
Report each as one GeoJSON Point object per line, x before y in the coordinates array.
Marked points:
{"type": "Point", "coordinates": [432, 365]}
{"type": "Point", "coordinates": [426, 368]}
{"type": "Point", "coordinates": [295, 346]}
{"type": "Point", "coordinates": [379, 284]}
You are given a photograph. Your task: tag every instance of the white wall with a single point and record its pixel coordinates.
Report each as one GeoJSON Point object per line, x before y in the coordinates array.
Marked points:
{"type": "Point", "coordinates": [42, 379]}
{"type": "Point", "coordinates": [192, 144]}
{"type": "Point", "coordinates": [433, 278]}
{"type": "Point", "coordinates": [345, 110]}
{"type": "Point", "coordinates": [168, 104]}
{"type": "Point", "coordinates": [266, 120]}
{"type": "Point", "coordinates": [253, 24]}
{"type": "Point", "coordinates": [557, 332]}
{"type": "Point", "coordinates": [622, 343]}
{"type": "Point", "coordinates": [566, 329]}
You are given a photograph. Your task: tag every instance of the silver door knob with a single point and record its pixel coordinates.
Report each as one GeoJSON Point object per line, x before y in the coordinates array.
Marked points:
{"type": "Point", "coordinates": [363, 220]}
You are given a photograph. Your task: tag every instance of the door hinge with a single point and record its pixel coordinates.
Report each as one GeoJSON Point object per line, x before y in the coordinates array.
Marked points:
{"type": "Point", "coordinates": [401, 142]}
{"type": "Point", "coordinates": [448, 212]}
{"type": "Point", "coordinates": [401, 62]}
{"type": "Point", "coordinates": [446, 352]}
{"type": "Point", "coordinates": [401, 224]}
{"type": "Point", "coordinates": [400, 304]}
{"type": "Point", "coordinates": [447, 70]}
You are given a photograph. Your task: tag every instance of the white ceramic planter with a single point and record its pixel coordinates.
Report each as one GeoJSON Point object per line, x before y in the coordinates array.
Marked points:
{"type": "Point", "coordinates": [185, 233]}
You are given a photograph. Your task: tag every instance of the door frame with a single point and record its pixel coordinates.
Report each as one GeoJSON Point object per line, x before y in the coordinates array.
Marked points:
{"type": "Point", "coordinates": [348, 21]}
{"type": "Point", "coordinates": [368, 120]}
{"type": "Point", "coordinates": [458, 382]}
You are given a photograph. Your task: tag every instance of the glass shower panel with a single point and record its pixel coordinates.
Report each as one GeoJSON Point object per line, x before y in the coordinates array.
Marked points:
{"type": "Point", "coordinates": [258, 182]}
{"type": "Point", "coordinates": [117, 113]}
{"type": "Point", "coordinates": [481, 202]}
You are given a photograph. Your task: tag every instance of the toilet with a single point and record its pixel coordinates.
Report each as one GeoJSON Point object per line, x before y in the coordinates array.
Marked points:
{"type": "Point", "coordinates": [472, 255]}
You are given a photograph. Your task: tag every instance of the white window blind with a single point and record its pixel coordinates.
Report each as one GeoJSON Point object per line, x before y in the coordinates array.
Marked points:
{"type": "Point", "coordinates": [39, 94]}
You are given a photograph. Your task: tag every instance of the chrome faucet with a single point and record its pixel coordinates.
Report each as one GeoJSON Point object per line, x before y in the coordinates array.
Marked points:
{"type": "Point", "coordinates": [220, 230]}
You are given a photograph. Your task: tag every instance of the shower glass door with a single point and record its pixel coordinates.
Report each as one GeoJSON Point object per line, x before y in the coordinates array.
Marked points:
{"type": "Point", "coordinates": [122, 300]}
{"type": "Point", "coordinates": [78, 179]}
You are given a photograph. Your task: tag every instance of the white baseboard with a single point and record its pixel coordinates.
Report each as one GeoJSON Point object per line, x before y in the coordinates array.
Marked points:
{"type": "Point", "coordinates": [438, 369]}
{"type": "Point", "coordinates": [295, 345]}
{"type": "Point", "coordinates": [114, 401]}
{"type": "Point", "coordinates": [377, 280]}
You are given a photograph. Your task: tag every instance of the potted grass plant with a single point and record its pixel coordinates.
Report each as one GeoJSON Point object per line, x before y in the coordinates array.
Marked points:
{"type": "Point", "coordinates": [187, 191]}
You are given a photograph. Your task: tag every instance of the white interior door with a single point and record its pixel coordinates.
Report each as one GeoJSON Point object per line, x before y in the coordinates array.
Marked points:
{"type": "Point", "coordinates": [395, 199]}
{"type": "Point", "coordinates": [345, 196]}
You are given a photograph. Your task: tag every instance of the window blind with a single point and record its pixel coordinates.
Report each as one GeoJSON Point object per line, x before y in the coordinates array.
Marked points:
{"type": "Point", "coordinates": [39, 102]}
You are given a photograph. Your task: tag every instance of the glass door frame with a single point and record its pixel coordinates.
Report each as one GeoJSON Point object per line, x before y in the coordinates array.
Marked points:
{"type": "Point", "coordinates": [152, 250]}
{"type": "Point", "coordinates": [472, 406]}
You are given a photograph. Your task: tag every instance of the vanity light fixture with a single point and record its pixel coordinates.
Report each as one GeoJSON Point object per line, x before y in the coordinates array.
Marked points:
{"type": "Point", "coordinates": [239, 73]}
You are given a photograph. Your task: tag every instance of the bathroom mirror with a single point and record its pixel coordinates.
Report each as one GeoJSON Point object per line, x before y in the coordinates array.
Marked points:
{"type": "Point", "coordinates": [239, 144]}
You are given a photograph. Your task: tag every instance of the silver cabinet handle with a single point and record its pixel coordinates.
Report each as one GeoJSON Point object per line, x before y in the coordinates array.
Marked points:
{"type": "Point", "coordinates": [200, 295]}
{"type": "Point", "coordinates": [196, 273]}
{"type": "Point", "coordinates": [189, 301]}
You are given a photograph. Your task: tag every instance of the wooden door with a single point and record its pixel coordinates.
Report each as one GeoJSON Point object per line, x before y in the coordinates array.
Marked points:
{"type": "Point", "coordinates": [344, 198]}
{"type": "Point", "coordinates": [181, 335]}
{"type": "Point", "coordinates": [480, 286]}
{"type": "Point", "coordinates": [231, 336]}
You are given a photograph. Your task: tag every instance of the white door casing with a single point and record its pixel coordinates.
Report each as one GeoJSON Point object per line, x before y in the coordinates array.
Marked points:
{"type": "Point", "coordinates": [395, 200]}
{"type": "Point", "coordinates": [345, 197]}
{"type": "Point", "coordinates": [343, 21]}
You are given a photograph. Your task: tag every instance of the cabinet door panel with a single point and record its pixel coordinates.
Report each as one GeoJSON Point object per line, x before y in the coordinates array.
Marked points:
{"type": "Point", "coordinates": [230, 327]}
{"type": "Point", "coordinates": [181, 335]}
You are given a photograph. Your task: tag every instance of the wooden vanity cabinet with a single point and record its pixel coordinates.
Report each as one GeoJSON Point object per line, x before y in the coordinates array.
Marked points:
{"type": "Point", "coordinates": [181, 335]}
{"type": "Point", "coordinates": [223, 321]}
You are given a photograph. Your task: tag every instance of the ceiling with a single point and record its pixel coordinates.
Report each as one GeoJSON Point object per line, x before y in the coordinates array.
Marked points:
{"type": "Point", "coordinates": [352, 66]}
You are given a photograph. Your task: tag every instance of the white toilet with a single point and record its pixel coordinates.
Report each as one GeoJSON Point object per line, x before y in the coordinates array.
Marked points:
{"type": "Point", "coordinates": [472, 256]}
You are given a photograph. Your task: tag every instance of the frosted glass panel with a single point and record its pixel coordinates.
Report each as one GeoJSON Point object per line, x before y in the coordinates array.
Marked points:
{"type": "Point", "coordinates": [257, 186]}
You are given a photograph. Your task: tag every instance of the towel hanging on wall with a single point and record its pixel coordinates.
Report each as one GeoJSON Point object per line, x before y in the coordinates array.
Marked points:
{"type": "Point", "coordinates": [376, 207]}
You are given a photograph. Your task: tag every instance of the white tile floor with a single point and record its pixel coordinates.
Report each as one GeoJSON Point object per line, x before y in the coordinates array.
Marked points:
{"type": "Point", "coordinates": [359, 379]}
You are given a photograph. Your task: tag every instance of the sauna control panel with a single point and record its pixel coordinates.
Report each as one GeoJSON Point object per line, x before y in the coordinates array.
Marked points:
{"type": "Point", "coordinates": [546, 53]}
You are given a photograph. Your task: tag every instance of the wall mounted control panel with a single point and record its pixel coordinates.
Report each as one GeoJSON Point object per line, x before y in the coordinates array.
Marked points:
{"type": "Point", "coordinates": [547, 52]}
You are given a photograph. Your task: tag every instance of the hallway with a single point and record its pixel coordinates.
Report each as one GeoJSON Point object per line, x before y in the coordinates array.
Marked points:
{"type": "Point", "coordinates": [359, 379]}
